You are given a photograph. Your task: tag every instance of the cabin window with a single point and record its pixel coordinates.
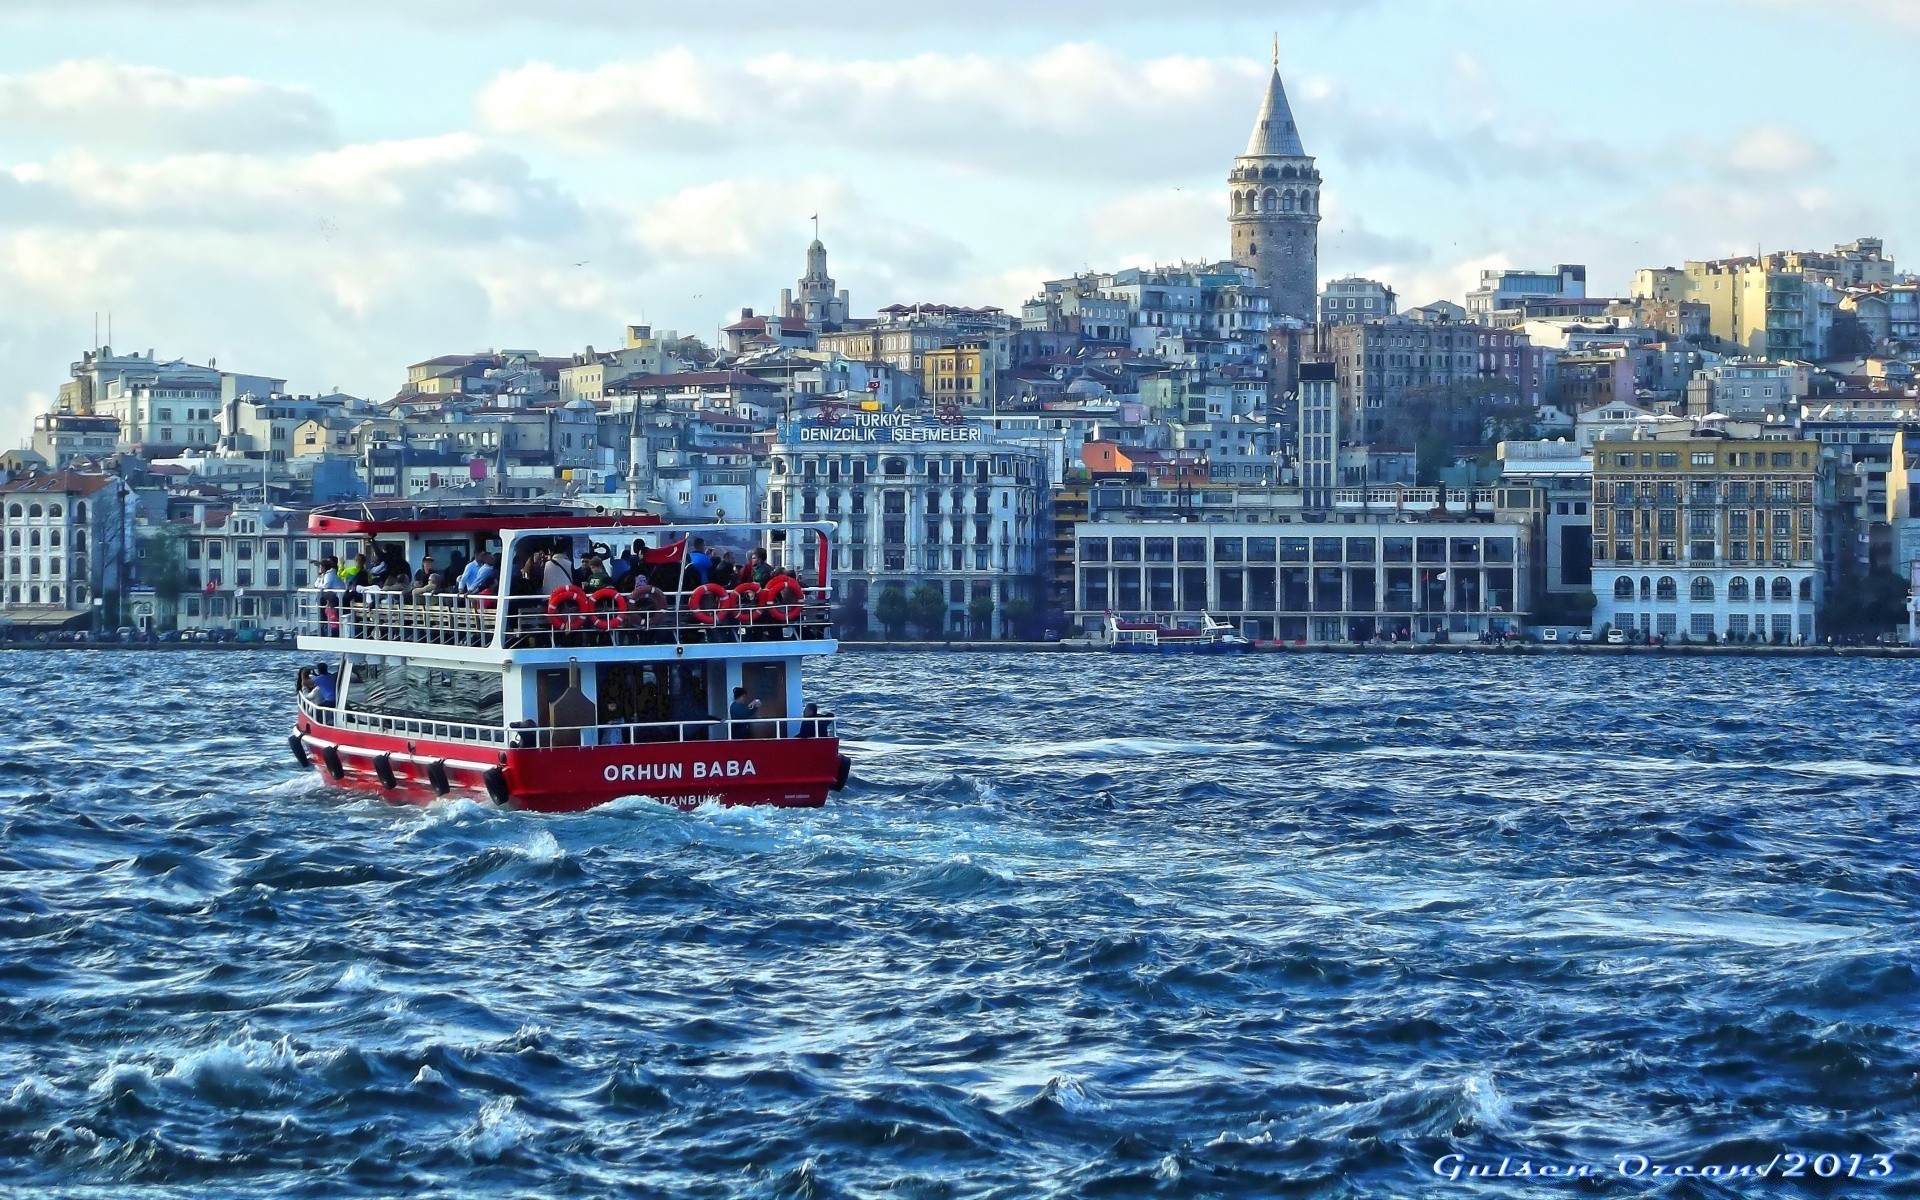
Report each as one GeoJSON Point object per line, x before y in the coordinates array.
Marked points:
{"type": "Point", "coordinates": [437, 693]}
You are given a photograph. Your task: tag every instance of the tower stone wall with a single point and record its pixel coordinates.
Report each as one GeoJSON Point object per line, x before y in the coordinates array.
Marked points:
{"type": "Point", "coordinates": [1274, 208]}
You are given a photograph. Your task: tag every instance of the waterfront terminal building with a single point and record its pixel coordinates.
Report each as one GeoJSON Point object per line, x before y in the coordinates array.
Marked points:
{"type": "Point", "coordinates": [1347, 581]}
{"type": "Point", "coordinates": [955, 503]}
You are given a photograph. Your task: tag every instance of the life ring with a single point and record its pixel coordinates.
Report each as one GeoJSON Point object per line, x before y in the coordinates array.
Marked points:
{"type": "Point", "coordinates": [605, 617]}
{"type": "Point", "coordinates": [752, 602]}
{"type": "Point", "coordinates": [568, 608]}
{"type": "Point", "coordinates": [720, 611]}
{"type": "Point", "coordinates": [785, 599]}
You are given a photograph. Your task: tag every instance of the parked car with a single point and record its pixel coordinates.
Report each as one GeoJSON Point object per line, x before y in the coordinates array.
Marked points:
{"type": "Point", "coordinates": [127, 633]}
{"type": "Point", "coordinates": [1583, 635]}
{"type": "Point", "coordinates": [171, 635]}
{"type": "Point", "coordinates": [1616, 637]}
{"type": "Point", "coordinates": [1549, 635]}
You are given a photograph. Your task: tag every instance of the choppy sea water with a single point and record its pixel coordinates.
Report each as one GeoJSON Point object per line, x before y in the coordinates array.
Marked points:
{"type": "Point", "coordinates": [1265, 927]}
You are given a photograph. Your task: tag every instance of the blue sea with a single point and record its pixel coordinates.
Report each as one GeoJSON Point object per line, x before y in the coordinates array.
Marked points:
{"type": "Point", "coordinates": [1294, 926]}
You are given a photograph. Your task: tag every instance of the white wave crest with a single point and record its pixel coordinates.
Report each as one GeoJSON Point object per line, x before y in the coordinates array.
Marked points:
{"type": "Point", "coordinates": [499, 1130]}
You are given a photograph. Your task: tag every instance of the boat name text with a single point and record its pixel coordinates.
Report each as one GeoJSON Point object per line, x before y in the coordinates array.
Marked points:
{"type": "Point", "coordinates": [667, 772]}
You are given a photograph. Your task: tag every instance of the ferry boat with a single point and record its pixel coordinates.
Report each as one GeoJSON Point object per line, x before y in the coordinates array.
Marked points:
{"type": "Point", "coordinates": [543, 695]}
{"type": "Point", "coordinates": [1122, 636]}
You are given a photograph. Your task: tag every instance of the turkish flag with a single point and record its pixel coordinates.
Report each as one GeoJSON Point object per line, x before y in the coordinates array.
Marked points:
{"type": "Point", "coordinates": [662, 555]}
{"type": "Point", "coordinates": [211, 584]}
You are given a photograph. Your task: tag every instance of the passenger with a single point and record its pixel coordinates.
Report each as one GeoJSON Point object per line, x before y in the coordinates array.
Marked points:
{"type": "Point", "coordinates": [700, 560]}
{"type": "Point", "coordinates": [481, 575]}
{"type": "Point", "coordinates": [740, 714]}
{"type": "Point", "coordinates": [757, 569]}
{"type": "Point", "coordinates": [470, 574]}
{"type": "Point", "coordinates": [325, 693]}
{"type": "Point", "coordinates": [725, 572]}
{"type": "Point", "coordinates": [593, 575]}
{"type": "Point", "coordinates": [557, 574]}
{"type": "Point", "coordinates": [810, 723]}
{"type": "Point", "coordinates": [332, 591]}
{"type": "Point", "coordinates": [351, 574]}
{"type": "Point", "coordinates": [433, 586]}
{"type": "Point", "coordinates": [303, 682]}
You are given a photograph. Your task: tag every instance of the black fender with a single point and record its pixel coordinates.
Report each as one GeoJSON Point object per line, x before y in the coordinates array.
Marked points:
{"type": "Point", "coordinates": [846, 772]}
{"type": "Point", "coordinates": [383, 767]}
{"type": "Point", "coordinates": [331, 756]}
{"type": "Point", "coordinates": [298, 745]}
{"type": "Point", "coordinates": [437, 776]}
{"type": "Point", "coordinates": [497, 787]}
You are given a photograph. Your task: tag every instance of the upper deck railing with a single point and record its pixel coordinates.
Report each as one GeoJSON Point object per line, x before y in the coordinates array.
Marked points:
{"type": "Point", "coordinates": [787, 607]}
{"type": "Point", "coordinates": [539, 620]}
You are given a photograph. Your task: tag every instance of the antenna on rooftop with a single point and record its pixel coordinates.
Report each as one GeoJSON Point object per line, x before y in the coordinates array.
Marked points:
{"type": "Point", "coordinates": [1276, 50]}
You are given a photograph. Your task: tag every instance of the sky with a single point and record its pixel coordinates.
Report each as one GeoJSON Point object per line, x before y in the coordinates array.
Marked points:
{"type": "Point", "coordinates": [327, 191]}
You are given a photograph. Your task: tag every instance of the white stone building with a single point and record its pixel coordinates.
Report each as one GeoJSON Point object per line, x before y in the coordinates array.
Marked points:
{"type": "Point", "coordinates": [917, 501]}
{"type": "Point", "coordinates": [63, 550]}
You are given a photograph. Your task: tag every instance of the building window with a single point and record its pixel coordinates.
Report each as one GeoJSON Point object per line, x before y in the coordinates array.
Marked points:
{"type": "Point", "coordinates": [1701, 589]}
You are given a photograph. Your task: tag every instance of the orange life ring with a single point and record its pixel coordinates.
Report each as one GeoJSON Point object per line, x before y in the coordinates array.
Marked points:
{"type": "Point", "coordinates": [603, 616]}
{"type": "Point", "coordinates": [724, 602]}
{"type": "Point", "coordinates": [786, 600]}
{"type": "Point", "coordinates": [560, 616]}
{"type": "Point", "coordinates": [752, 602]}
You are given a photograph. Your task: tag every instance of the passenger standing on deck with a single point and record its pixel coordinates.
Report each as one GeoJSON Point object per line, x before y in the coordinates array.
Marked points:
{"type": "Point", "coordinates": [557, 575]}
{"type": "Point", "coordinates": [700, 560]}
{"type": "Point", "coordinates": [756, 570]}
{"type": "Point", "coordinates": [332, 591]}
{"type": "Point", "coordinates": [740, 714]}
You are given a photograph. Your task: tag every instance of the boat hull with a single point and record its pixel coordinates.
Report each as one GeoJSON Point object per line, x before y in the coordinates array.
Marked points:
{"type": "Point", "coordinates": [788, 772]}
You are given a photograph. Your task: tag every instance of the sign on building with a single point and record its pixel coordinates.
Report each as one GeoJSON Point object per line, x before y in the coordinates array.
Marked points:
{"type": "Point", "coordinates": [878, 429]}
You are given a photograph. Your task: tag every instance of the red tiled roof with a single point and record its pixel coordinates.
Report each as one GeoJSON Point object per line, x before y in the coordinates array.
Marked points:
{"type": "Point", "coordinates": [59, 483]}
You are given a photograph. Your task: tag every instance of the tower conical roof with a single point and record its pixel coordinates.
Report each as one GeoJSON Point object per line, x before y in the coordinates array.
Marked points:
{"type": "Point", "coordinates": [1274, 133]}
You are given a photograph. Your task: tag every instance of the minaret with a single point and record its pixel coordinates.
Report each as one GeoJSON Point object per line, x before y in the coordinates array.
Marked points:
{"type": "Point", "coordinates": [1275, 208]}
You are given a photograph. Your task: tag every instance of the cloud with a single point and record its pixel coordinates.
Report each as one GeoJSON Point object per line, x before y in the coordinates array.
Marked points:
{"type": "Point", "coordinates": [453, 187]}
{"type": "Point", "coordinates": [1077, 107]}
{"type": "Point", "coordinates": [108, 104]}
{"type": "Point", "coordinates": [338, 267]}
{"type": "Point", "coordinates": [861, 16]}
{"type": "Point", "coordinates": [1774, 152]}
{"type": "Point", "coordinates": [1370, 131]}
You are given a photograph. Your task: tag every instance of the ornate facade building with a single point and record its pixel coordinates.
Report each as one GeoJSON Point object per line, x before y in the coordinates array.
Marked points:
{"type": "Point", "coordinates": [1275, 215]}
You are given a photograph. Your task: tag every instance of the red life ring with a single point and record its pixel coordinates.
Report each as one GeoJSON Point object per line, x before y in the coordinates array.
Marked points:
{"type": "Point", "coordinates": [752, 602]}
{"type": "Point", "coordinates": [786, 601]}
{"type": "Point", "coordinates": [564, 618]}
{"type": "Point", "coordinates": [721, 610]}
{"type": "Point", "coordinates": [603, 616]}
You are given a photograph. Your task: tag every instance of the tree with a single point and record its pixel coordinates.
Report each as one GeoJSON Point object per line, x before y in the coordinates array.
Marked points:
{"type": "Point", "coordinates": [851, 618]}
{"type": "Point", "coordinates": [1865, 606]}
{"type": "Point", "coordinates": [164, 570]}
{"type": "Point", "coordinates": [1849, 338]}
{"type": "Point", "coordinates": [892, 610]}
{"type": "Point", "coordinates": [1020, 613]}
{"type": "Point", "coordinates": [927, 608]}
{"type": "Point", "coordinates": [980, 612]}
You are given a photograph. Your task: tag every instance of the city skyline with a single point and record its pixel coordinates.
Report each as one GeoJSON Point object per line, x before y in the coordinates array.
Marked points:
{"type": "Point", "coordinates": [226, 194]}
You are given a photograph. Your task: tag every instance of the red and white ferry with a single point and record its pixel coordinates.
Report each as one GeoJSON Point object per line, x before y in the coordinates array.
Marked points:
{"type": "Point", "coordinates": [555, 699]}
